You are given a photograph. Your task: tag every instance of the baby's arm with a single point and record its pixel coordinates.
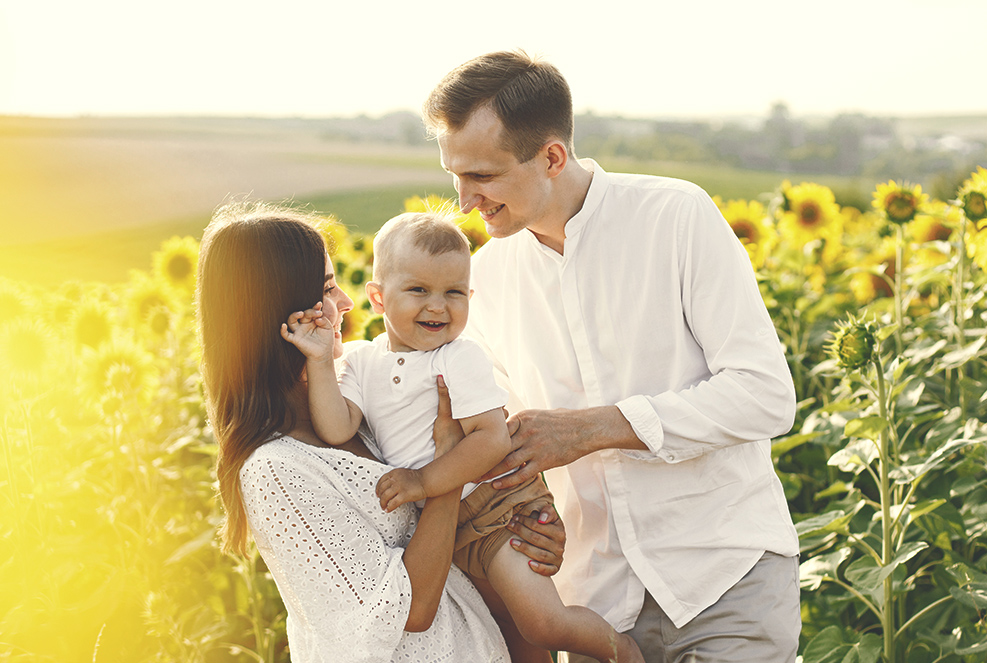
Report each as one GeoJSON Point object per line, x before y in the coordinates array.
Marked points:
{"type": "Point", "coordinates": [334, 418]}
{"type": "Point", "coordinates": [486, 443]}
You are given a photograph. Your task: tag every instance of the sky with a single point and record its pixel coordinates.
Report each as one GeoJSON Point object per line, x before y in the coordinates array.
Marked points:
{"type": "Point", "coordinates": [637, 58]}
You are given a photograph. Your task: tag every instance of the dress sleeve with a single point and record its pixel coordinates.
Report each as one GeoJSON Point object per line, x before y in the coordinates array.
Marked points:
{"type": "Point", "coordinates": [341, 578]}
{"type": "Point", "coordinates": [749, 394]}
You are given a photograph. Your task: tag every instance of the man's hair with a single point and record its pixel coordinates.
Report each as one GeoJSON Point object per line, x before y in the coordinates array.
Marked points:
{"type": "Point", "coordinates": [432, 232]}
{"type": "Point", "coordinates": [530, 97]}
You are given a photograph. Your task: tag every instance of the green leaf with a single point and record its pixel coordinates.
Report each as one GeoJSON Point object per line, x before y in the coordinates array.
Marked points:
{"type": "Point", "coordinates": [905, 553]}
{"type": "Point", "coordinates": [973, 595]}
{"type": "Point", "coordinates": [813, 571]}
{"type": "Point", "coordinates": [957, 358]}
{"type": "Point", "coordinates": [865, 574]}
{"type": "Point", "coordinates": [855, 456]}
{"type": "Point", "coordinates": [909, 473]}
{"type": "Point", "coordinates": [866, 427]}
{"type": "Point", "coordinates": [831, 521]}
{"type": "Point", "coordinates": [885, 332]}
{"type": "Point", "coordinates": [786, 444]}
{"type": "Point", "coordinates": [831, 645]}
{"type": "Point", "coordinates": [928, 506]}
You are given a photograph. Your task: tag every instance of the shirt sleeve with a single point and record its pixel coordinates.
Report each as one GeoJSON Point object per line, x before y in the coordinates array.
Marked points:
{"type": "Point", "coordinates": [749, 395]}
{"type": "Point", "coordinates": [348, 372]}
{"type": "Point", "coordinates": [470, 377]}
{"type": "Point", "coordinates": [334, 570]}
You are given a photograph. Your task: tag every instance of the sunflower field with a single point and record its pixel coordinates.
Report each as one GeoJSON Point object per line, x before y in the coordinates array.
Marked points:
{"type": "Point", "coordinates": [108, 492]}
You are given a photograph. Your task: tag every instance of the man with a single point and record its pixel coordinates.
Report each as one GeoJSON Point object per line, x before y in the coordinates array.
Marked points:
{"type": "Point", "coordinates": [624, 315]}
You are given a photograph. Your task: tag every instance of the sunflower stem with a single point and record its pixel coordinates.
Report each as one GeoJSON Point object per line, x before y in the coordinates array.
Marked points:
{"type": "Point", "coordinates": [887, 550]}
{"type": "Point", "coordinates": [899, 260]}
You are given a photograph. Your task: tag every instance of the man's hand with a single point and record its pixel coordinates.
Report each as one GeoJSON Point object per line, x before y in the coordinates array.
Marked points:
{"type": "Point", "coordinates": [399, 487]}
{"type": "Point", "coordinates": [541, 537]}
{"type": "Point", "coordinates": [543, 439]}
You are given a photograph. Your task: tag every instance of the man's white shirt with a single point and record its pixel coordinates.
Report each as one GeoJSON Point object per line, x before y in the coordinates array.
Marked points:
{"type": "Point", "coordinates": [654, 308]}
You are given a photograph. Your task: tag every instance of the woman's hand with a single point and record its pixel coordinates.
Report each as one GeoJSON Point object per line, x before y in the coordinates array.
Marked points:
{"type": "Point", "coordinates": [540, 536]}
{"type": "Point", "coordinates": [446, 431]}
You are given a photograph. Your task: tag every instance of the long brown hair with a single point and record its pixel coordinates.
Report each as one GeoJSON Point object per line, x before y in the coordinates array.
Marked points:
{"type": "Point", "coordinates": [257, 264]}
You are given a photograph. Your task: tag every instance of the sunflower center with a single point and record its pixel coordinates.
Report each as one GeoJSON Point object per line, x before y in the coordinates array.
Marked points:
{"type": "Point", "coordinates": [900, 206]}
{"type": "Point", "coordinates": [179, 267]}
{"type": "Point", "coordinates": [744, 230]}
{"type": "Point", "coordinates": [809, 214]}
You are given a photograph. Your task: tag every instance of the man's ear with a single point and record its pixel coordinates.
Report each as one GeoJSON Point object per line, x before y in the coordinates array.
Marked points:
{"type": "Point", "coordinates": [557, 157]}
{"type": "Point", "coordinates": [376, 297]}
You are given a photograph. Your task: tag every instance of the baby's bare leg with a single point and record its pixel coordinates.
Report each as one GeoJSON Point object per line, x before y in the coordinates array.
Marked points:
{"type": "Point", "coordinates": [546, 622]}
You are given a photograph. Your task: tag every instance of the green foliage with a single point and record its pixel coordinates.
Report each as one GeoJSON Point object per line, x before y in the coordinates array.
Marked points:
{"type": "Point", "coordinates": [108, 491]}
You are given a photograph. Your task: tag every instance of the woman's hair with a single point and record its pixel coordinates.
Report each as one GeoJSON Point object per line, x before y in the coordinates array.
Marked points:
{"type": "Point", "coordinates": [258, 263]}
{"type": "Point", "coordinates": [530, 97]}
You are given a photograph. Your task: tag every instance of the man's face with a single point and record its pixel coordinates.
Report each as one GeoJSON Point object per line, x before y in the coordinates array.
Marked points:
{"type": "Point", "coordinates": [509, 195]}
{"type": "Point", "coordinates": [424, 298]}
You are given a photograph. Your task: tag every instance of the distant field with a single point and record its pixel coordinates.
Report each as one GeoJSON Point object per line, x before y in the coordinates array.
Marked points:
{"type": "Point", "coordinates": [92, 198]}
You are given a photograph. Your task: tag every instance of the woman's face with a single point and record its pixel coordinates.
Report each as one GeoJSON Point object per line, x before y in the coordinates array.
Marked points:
{"type": "Point", "coordinates": [335, 303]}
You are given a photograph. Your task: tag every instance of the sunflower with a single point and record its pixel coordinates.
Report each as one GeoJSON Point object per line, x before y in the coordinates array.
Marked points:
{"type": "Point", "coordinates": [899, 202]}
{"type": "Point", "coordinates": [749, 222]}
{"type": "Point", "coordinates": [145, 295]}
{"type": "Point", "coordinates": [937, 223]}
{"type": "Point", "coordinates": [176, 262]}
{"type": "Point", "coordinates": [92, 323]}
{"type": "Point", "coordinates": [808, 212]}
{"type": "Point", "coordinates": [122, 366]}
{"type": "Point", "coordinates": [854, 344]}
{"type": "Point", "coordinates": [976, 247]}
{"type": "Point", "coordinates": [869, 284]}
{"type": "Point", "coordinates": [471, 224]}
{"type": "Point", "coordinates": [973, 196]}
{"type": "Point", "coordinates": [334, 234]}
{"type": "Point", "coordinates": [373, 327]}
{"type": "Point", "coordinates": [353, 321]}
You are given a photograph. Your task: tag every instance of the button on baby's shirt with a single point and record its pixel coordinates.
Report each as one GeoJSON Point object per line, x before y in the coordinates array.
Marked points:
{"type": "Point", "coordinates": [400, 361]}
{"type": "Point", "coordinates": [397, 380]}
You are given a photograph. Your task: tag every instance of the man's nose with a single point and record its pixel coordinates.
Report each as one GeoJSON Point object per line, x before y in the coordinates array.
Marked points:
{"type": "Point", "coordinates": [468, 198]}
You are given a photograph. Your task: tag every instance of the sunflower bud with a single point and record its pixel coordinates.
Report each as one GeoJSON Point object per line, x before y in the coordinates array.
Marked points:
{"type": "Point", "coordinates": [973, 195]}
{"type": "Point", "coordinates": [975, 206]}
{"type": "Point", "coordinates": [853, 344]}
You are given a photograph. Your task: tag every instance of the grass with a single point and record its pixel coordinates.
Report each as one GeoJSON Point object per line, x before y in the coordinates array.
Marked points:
{"type": "Point", "coordinates": [108, 256]}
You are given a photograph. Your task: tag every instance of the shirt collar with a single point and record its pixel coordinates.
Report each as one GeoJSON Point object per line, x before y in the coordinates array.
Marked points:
{"type": "Point", "coordinates": [594, 196]}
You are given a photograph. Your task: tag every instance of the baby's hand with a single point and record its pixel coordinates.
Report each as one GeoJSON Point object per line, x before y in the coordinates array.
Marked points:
{"type": "Point", "coordinates": [400, 486]}
{"type": "Point", "coordinates": [310, 332]}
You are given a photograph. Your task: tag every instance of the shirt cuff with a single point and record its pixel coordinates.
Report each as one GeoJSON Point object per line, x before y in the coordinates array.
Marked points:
{"type": "Point", "coordinates": [641, 415]}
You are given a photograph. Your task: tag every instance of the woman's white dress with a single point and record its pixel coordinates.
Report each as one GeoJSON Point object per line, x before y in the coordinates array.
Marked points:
{"type": "Point", "coordinates": [336, 557]}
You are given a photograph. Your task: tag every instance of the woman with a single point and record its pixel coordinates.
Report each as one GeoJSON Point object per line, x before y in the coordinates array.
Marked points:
{"type": "Point", "coordinates": [359, 584]}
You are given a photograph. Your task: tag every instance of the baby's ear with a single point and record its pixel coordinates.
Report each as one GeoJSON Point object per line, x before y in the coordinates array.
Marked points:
{"type": "Point", "coordinates": [376, 297]}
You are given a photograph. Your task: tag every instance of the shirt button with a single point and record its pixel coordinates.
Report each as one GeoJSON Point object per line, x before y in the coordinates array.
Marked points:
{"type": "Point", "coordinates": [397, 380]}
{"type": "Point", "coordinates": [671, 456]}
{"type": "Point", "coordinates": [400, 361]}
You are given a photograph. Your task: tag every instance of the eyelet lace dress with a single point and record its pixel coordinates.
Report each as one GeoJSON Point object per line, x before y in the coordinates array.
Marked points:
{"type": "Point", "coordinates": [336, 557]}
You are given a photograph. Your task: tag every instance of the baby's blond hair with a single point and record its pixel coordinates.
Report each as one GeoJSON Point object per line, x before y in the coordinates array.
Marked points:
{"type": "Point", "coordinates": [432, 232]}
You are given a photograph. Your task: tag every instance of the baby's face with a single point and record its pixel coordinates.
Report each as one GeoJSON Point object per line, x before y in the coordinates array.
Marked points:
{"type": "Point", "coordinates": [426, 298]}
